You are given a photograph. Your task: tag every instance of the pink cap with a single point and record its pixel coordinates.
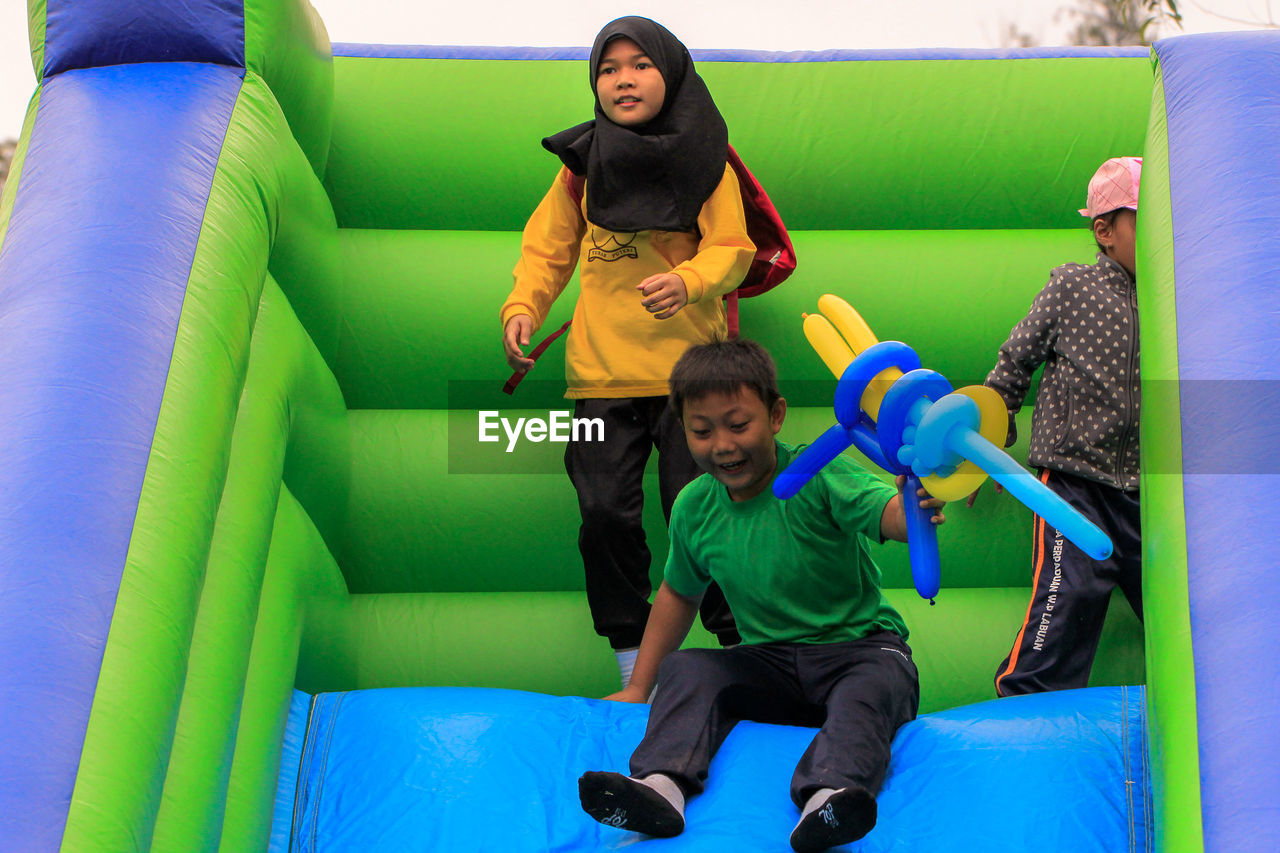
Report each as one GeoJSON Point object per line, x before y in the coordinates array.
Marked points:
{"type": "Point", "coordinates": [1113, 186]}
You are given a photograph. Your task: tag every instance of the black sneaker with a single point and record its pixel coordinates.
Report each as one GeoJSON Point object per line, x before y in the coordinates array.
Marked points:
{"type": "Point", "coordinates": [617, 800]}
{"type": "Point", "coordinates": [847, 815]}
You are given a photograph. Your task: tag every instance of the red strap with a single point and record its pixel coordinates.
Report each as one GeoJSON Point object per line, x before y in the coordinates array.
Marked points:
{"type": "Point", "coordinates": [518, 377]}
{"type": "Point", "coordinates": [577, 185]}
{"type": "Point", "coordinates": [731, 314]}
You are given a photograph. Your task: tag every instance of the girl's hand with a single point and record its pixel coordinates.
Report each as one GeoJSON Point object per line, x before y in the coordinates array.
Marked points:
{"type": "Point", "coordinates": [974, 495]}
{"type": "Point", "coordinates": [664, 295]}
{"type": "Point", "coordinates": [516, 335]}
{"type": "Point", "coordinates": [927, 501]}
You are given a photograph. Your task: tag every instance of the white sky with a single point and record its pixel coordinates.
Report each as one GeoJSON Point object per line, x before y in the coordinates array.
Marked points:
{"type": "Point", "coordinates": [754, 24]}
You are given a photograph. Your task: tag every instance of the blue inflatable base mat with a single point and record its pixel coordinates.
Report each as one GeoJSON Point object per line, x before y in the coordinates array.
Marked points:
{"type": "Point", "coordinates": [464, 769]}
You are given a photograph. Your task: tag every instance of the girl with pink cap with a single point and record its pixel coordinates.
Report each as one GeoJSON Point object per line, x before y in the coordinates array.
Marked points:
{"type": "Point", "coordinates": [1083, 327]}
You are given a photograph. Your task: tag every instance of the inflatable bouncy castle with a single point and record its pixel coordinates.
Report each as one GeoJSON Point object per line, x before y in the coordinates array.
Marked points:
{"type": "Point", "coordinates": [265, 585]}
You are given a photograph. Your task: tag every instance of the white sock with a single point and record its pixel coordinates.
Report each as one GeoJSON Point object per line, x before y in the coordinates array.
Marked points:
{"type": "Point", "coordinates": [667, 787]}
{"type": "Point", "coordinates": [626, 663]}
{"type": "Point", "coordinates": [816, 800]}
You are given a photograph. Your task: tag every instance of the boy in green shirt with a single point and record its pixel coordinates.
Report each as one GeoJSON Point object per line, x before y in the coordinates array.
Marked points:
{"type": "Point", "coordinates": [821, 646]}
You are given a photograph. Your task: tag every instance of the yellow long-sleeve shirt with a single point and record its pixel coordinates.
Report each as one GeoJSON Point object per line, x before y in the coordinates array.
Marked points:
{"type": "Point", "coordinates": [616, 348]}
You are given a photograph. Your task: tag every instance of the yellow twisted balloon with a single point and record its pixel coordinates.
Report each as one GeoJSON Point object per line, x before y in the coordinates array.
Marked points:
{"type": "Point", "coordinates": [838, 334]}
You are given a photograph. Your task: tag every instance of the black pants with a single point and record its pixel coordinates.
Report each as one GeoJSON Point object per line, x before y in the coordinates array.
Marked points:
{"type": "Point", "coordinates": [609, 478]}
{"type": "Point", "coordinates": [859, 692]}
{"type": "Point", "coordinates": [1055, 647]}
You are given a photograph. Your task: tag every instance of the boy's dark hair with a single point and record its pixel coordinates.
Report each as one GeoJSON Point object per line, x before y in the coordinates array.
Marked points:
{"type": "Point", "coordinates": [724, 367]}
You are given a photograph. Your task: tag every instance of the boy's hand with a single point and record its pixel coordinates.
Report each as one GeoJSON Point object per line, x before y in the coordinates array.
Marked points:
{"type": "Point", "coordinates": [629, 693]}
{"type": "Point", "coordinates": [514, 336]}
{"type": "Point", "coordinates": [664, 295]}
{"type": "Point", "coordinates": [927, 501]}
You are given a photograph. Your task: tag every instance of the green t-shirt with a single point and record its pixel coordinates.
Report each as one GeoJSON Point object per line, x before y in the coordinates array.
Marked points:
{"type": "Point", "coordinates": [794, 571]}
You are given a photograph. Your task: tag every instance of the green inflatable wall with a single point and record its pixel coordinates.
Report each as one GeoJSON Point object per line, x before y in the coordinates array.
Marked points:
{"type": "Point", "coordinates": [937, 212]}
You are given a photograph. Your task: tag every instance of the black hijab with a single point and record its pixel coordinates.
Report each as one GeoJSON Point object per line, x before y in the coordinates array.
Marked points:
{"type": "Point", "coordinates": [658, 175]}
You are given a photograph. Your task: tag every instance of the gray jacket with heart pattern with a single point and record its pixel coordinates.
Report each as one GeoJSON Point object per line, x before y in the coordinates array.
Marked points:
{"type": "Point", "coordinates": [1083, 326]}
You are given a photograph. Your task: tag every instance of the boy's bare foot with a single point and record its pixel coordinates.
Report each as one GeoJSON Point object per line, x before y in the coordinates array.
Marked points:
{"type": "Point", "coordinates": [846, 815]}
{"type": "Point", "coordinates": [617, 800]}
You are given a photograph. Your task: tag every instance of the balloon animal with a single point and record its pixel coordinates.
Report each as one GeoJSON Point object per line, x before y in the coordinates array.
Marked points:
{"type": "Point", "coordinates": [909, 420]}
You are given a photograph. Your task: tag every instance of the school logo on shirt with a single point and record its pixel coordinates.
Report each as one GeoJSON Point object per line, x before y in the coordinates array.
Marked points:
{"type": "Point", "coordinates": [612, 249]}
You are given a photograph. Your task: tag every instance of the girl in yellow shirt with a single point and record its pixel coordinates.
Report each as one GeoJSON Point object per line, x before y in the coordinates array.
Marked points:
{"type": "Point", "coordinates": [659, 234]}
